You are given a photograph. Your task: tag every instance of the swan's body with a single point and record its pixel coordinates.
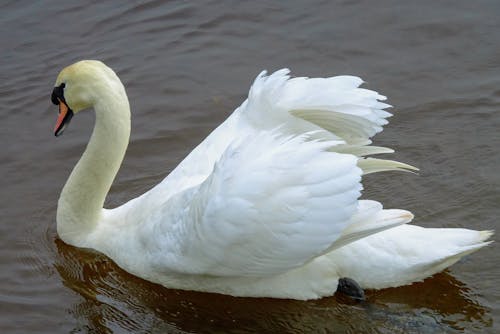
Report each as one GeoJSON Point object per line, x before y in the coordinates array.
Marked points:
{"type": "Point", "coordinates": [267, 206]}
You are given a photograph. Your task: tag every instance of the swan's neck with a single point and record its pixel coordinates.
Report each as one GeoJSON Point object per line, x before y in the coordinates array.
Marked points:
{"type": "Point", "coordinates": [81, 202]}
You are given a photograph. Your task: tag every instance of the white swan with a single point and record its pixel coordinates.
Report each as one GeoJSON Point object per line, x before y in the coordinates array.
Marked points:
{"type": "Point", "coordinates": [266, 206]}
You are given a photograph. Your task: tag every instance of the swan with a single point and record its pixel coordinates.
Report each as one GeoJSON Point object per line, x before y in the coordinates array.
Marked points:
{"type": "Point", "coordinates": [268, 205]}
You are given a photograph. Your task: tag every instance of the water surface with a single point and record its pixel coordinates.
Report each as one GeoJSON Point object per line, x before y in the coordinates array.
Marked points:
{"type": "Point", "coordinates": [186, 66]}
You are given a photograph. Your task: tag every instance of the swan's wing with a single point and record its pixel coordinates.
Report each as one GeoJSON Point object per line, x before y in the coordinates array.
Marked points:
{"type": "Point", "coordinates": [335, 109]}
{"type": "Point", "coordinates": [270, 204]}
{"type": "Point", "coordinates": [347, 114]}
{"type": "Point", "coordinates": [275, 185]}
{"type": "Point", "coordinates": [336, 104]}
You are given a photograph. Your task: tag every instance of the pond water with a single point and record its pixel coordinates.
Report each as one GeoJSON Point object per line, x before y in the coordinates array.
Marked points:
{"type": "Point", "coordinates": [186, 66]}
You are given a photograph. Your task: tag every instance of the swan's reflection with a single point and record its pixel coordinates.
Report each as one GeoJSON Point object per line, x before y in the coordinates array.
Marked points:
{"type": "Point", "coordinates": [114, 300]}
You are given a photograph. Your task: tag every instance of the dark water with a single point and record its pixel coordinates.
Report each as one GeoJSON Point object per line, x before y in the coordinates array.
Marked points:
{"type": "Point", "coordinates": [186, 66]}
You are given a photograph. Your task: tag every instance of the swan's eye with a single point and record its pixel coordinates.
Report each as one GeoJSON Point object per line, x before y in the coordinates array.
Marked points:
{"type": "Point", "coordinates": [58, 94]}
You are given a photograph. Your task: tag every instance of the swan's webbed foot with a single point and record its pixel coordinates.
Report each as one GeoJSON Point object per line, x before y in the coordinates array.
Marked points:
{"type": "Point", "coordinates": [350, 288]}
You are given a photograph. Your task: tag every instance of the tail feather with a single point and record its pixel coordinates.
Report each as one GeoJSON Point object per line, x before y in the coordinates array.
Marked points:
{"type": "Point", "coordinates": [447, 261]}
{"type": "Point", "coordinates": [405, 254]}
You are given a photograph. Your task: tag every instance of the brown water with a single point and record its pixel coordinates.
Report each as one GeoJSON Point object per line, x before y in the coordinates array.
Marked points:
{"type": "Point", "coordinates": [186, 66]}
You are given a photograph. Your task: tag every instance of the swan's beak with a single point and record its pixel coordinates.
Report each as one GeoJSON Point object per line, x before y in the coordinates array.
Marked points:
{"type": "Point", "coordinates": [65, 115]}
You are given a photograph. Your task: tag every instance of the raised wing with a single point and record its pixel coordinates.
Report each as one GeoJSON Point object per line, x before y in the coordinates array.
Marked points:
{"type": "Point", "coordinates": [333, 109]}
{"type": "Point", "coordinates": [275, 185]}
{"type": "Point", "coordinates": [271, 204]}
{"type": "Point", "coordinates": [348, 115]}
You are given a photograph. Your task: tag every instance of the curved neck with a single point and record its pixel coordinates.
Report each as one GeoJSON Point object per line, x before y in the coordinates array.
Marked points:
{"type": "Point", "coordinates": [82, 198]}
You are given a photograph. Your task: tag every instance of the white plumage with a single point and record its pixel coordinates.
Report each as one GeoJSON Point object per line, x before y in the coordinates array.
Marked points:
{"type": "Point", "coordinates": [267, 205]}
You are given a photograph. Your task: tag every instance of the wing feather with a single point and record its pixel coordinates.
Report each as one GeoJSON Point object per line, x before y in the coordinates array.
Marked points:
{"type": "Point", "coordinates": [274, 186]}
{"type": "Point", "coordinates": [348, 114]}
{"type": "Point", "coordinates": [271, 204]}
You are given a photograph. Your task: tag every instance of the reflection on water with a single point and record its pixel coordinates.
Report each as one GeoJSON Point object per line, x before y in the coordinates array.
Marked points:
{"type": "Point", "coordinates": [114, 299]}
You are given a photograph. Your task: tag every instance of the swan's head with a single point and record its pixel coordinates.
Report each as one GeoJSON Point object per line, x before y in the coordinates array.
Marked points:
{"type": "Point", "coordinates": [80, 86]}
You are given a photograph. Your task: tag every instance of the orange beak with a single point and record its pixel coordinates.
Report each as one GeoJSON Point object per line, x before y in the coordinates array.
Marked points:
{"type": "Point", "coordinates": [65, 115]}
{"type": "Point", "coordinates": [63, 110]}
